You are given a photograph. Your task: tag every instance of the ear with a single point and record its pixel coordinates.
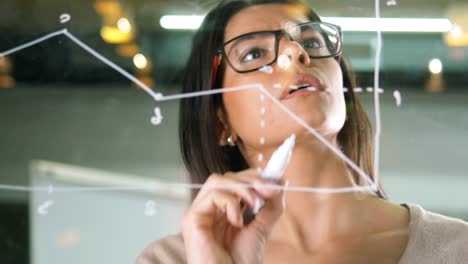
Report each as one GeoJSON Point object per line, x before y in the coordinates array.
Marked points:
{"type": "Point", "coordinates": [226, 130]}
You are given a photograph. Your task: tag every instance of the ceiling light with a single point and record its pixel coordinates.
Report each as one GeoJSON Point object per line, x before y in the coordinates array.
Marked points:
{"type": "Point", "coordinates": [391, 24]}
{"type": "Point", "coordinates": [114, 35]}
{"type": "Point", "coordinates": [124, 25]}
{"type": "Point", "coordinates": [346, 23]}
{"type": "Point", "coordinates": [457, 31]}
{"type": "Point", "coordinates": [140, 61]}
{"type": "Point", "coordinates": [457, 36]}
{"type": "Point", "coordinates": [181, 22]}
{"type": "Point", "coordinates": [435, 66]}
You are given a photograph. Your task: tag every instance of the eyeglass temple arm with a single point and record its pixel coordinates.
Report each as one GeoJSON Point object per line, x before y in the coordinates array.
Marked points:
{"type": "Point", "coordinates": [216, 62]}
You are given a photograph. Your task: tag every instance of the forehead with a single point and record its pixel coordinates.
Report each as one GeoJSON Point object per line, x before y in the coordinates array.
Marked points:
{"type": "Point", "coordinates": [264, 17]}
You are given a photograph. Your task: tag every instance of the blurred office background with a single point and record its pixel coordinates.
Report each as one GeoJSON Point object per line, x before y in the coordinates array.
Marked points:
{"type": "Point", "coordinates": [69, 120]}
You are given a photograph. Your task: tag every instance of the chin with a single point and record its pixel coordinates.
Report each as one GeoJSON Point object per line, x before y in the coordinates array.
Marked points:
{"type": "Point", "coordinates": [335, 123]}
{"type": "Point", "coordinates": [322, 123]}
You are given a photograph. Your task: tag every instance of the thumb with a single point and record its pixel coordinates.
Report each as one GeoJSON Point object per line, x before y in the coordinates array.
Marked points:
{"type": "Point", "coordinates": [269, 214]}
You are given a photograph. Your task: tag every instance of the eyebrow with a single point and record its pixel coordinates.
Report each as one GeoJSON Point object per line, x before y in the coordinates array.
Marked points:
{"type": "Point", "coordinates": [249, 35]}
{"type": "Point", "coordinates": [239, 38]}
{"type": "Point", "coordinates": [297, 22]}
{"type": "Point", "coordinates": [242, 37]}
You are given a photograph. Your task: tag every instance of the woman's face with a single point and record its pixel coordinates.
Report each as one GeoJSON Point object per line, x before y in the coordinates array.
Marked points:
{"type": "Point", "coordinates": [257, 120]}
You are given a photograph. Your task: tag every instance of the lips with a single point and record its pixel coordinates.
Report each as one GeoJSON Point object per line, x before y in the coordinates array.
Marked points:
{"type": "Point", "coordinates": [303, 83]}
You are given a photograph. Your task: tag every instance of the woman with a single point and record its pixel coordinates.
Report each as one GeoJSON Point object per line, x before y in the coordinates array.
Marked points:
{"type": "Point", "coordinates": [283, 46]}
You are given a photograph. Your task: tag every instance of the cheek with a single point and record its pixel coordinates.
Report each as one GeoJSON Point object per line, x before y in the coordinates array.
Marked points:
{"type": "Point", "coordinates": [245, 111]}
{"type": "Point", "coordinates": [337, 114]}
{"type": "Point", "coordinates": [336, 108]}
{"type": "Point", "coordinates": [336, 76]}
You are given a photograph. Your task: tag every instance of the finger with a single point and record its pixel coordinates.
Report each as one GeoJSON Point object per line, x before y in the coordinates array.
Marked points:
{"type": "Point", "coordinates": [267, 188]}
{"type": "Point", "coordinates": [232, 183]}
{"type": "Point", "coordinates": [269, 214]}
{"type": "Point", "coordinates": [228, 203]}
{"type": "Point", "coordinates": [248, 175]}
{"type": "Point", "coordinates": [263, 188]}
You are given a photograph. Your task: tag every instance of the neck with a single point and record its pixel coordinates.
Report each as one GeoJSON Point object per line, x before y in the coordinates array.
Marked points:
{"type": "Point", "coordinates": [312, 218]}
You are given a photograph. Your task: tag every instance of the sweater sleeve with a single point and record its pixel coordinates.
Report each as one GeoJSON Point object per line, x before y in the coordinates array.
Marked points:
{"type": "Point", "coordinates": [168, 250]}
{"type": "Point", "coordinates": [435, 238]}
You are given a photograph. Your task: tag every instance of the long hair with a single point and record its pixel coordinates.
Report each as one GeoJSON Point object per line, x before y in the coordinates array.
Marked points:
{"type": "Point", "coordinates": [200, 127]}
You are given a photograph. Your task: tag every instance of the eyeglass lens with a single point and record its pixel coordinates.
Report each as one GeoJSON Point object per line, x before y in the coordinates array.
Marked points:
{"type": "Point", "coordinates": [259, 49]}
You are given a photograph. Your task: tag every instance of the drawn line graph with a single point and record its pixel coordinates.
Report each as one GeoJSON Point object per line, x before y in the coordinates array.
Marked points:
{"type": "Point", "coordinates": [61, 189]}
{"type": "Point", "coordinates": [65, 32]}
{"type": "Point", "coordinates": [378, 51]}
{"type": "Point", "coordinates": [372, 185]}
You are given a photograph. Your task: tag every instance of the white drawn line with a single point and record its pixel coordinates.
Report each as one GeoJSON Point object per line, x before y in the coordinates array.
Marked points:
{"type": "Point", "coordinates": [64, 18]}
{"type": "Point", "coordinates": [32, 43]}
{"type": "Point", "coordinates": [220, 90]}
{"type": "Point", "coordinates": [17, 188]}
{"type": "Point", "coordinates": [42, 209]}
{"type": "Point", "coordinates": [397, 96]}
{"type": "Point", "coordinates": [391, 3]}
{"type": "Point", "coordinates": [196, 186]}
{"type": "Point", "coordinates": [159, 97]}
{"type": "Point", "coordinates": [319, 137]}
{"type": "Point", "coordinates": [157, 118]}
{"type": "Point", "coordinates": [207, 92]}
{"type": "Point", "coordinates": [65, 32]}
{"type": "Point", "coordinates": [358, 90]}
{"type": "Point", "coordinates": [156, 96]}
{"type": "Point", "coordinates": [378, 52]}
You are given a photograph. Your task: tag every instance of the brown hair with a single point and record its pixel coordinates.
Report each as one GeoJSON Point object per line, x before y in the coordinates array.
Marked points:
{"type": "Point", "coordinates": [200, 128]}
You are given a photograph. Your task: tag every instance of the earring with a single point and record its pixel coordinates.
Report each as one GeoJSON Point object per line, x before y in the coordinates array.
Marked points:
{"type": "Point", "coordinates": [231, 141]}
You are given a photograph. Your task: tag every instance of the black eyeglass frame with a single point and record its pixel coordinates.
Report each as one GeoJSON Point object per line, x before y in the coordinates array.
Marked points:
{"type": "Point", "coordinates": [278, 34]}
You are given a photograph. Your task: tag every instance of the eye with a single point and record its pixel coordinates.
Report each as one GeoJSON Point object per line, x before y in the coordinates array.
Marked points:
{"type": "Point", "coordinates": [252, 54]}
{"type": "Point", "coordinates": [311, 43]}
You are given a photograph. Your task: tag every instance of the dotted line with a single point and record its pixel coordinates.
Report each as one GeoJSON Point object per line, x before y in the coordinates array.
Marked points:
{"type": "Point", "coordinates": [260, 156]}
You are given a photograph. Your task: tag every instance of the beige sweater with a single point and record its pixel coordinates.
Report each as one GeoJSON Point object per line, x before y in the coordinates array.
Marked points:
{"type": "Point", "coordinates": [433, 238]}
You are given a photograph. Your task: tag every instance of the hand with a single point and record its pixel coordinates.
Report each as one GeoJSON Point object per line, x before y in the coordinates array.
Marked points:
{"type": "Point", "coordinates": [213, 228]}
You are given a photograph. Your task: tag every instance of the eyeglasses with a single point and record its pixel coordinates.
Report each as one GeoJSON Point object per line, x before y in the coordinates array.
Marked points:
{"type": "Point", "coordinates": [252, 51]}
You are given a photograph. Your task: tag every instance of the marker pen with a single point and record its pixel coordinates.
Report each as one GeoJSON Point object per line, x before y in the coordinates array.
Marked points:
{"type": "Point", "coordinates": [273, 171]}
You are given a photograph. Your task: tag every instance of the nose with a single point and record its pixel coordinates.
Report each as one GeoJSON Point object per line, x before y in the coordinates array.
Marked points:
{"type": "Point", "coordinates": [293, 51]}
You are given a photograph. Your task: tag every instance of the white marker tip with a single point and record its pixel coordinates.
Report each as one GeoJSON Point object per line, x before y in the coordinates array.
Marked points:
{"type": "Point", "coordinates": [278, 162]}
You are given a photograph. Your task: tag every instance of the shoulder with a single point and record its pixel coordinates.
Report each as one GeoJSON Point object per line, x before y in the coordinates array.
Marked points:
{"type": "Point", "coordinates": [436, 228]}
{"type": "Point", "coordinates": [435, 238]}
{"type": "Point", "coordinates": [167, 250]}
